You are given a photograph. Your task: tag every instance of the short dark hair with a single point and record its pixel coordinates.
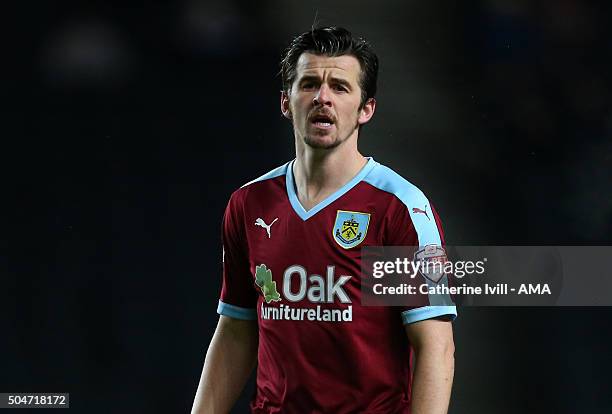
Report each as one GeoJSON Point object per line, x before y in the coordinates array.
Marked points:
{"type": "Point", "coordinates": [332, 41]}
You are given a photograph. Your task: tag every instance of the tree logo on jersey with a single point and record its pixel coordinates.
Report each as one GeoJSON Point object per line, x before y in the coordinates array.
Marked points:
{"type": "Point", "coordinates": [263, 279]}
{"type": "Point", "coordinates": [350, 228]}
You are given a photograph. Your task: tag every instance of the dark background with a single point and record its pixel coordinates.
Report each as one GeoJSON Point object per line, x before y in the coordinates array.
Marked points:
{"type": "Point", "coordinates": [130, 125]}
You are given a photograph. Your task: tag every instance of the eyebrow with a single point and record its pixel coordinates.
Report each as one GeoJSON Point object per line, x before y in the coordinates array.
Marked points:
{"type": "Point", "coordinates": [311, 78]}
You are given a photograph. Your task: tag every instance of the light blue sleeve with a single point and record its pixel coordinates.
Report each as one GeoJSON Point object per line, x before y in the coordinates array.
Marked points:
{"type": "Point", "coordinates": [236, 312]}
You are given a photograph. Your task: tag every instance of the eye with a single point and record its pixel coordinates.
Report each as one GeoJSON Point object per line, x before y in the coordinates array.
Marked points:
{"type": "Point", "coordinates": [340, 88]}
{"type": "Point", "coordinates": [308, 86]}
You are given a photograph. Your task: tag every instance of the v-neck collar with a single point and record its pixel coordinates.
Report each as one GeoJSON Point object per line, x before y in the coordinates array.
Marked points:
{"type": "Point", "coordinates": [295, 202]}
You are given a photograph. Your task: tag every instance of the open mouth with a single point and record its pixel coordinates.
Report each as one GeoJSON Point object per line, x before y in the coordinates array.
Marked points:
{"type": "Point", "coordinates": [322, 121]}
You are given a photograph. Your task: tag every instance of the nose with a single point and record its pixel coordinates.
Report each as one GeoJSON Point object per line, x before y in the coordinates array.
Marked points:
{"type": "Point", "coordinates": [323, 96]}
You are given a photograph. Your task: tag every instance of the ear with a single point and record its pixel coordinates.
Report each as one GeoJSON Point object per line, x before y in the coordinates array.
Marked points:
{"type": "Point", "coordinates": [366, 113]}
{"type": "Point", "coordinates": [284, 105]}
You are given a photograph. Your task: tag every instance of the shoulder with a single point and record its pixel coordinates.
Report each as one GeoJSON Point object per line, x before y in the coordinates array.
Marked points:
{"type": "Point", "coordinates": [272, 174]}
{"type": "Point", "coordinates": [386, 179]}
{"type": "Point", "coordinates": [270, 182]}
{"type": "Point", "coordinates": [412, 205]}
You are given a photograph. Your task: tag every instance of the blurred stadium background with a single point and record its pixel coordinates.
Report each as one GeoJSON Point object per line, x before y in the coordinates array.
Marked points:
{"type": "Point", "coordinates": [133, 123]}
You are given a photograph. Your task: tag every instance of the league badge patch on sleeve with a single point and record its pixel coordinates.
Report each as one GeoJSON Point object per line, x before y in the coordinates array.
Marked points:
{"type": "Point", "coordinates": [432, 260]}
{"type": "Point", "coordinates": [350, 228]}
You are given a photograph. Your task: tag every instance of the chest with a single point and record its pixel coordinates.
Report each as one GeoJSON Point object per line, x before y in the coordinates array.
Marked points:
{"type": "Point", "coordinates": [318, 259]}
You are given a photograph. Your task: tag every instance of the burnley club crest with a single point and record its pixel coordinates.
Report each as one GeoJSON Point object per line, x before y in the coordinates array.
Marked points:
{"type": "Point", "coordinates": [350, 228]}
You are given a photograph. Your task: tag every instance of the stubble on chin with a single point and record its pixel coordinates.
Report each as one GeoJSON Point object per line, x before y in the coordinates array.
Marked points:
{"type": "Point", "coordinates": [320, 141]}
{"type": "Point", "coordinates": [316, 142]}
{"type": "Point", "coordinates": [321, 144]}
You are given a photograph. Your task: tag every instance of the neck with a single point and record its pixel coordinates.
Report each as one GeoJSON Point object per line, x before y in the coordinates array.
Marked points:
{"type": "Point", "coordinates": [320, 172]}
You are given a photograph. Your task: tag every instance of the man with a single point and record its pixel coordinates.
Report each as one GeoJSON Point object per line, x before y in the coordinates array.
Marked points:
{"type": "Point", "coordinates": [292, 249]}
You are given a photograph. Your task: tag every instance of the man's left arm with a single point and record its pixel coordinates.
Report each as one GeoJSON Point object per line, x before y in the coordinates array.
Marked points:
{"type": "Point", "coordinates": [432, 341]}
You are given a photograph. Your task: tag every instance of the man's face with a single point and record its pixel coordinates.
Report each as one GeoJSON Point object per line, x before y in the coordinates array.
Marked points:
{"type": "Point", "coordinates": [324, 100]}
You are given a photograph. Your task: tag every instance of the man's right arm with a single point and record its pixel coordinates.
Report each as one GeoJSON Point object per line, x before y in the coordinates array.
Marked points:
{"type": "Point", "coordinates": [230, 358]}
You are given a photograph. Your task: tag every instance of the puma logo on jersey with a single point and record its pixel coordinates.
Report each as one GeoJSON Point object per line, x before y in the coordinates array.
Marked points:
{"type": "Point", "coordinates": [418, 210]}
{"type": "Point", "coordinates": [259, 222]}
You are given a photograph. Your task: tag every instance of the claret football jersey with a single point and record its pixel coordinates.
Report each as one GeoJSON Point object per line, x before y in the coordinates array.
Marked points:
{"type": "Point", "coordinates": [297, 272]}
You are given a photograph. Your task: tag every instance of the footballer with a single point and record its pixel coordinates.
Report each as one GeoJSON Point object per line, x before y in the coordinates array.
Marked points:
{"type": "Point", "coordinates": [290, 304]}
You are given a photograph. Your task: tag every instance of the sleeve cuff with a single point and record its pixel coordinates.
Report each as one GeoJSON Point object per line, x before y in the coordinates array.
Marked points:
{"type": "Point", "coordinates": [428, 312]}
{"type": "Point", "coordinates": [236, 312]}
